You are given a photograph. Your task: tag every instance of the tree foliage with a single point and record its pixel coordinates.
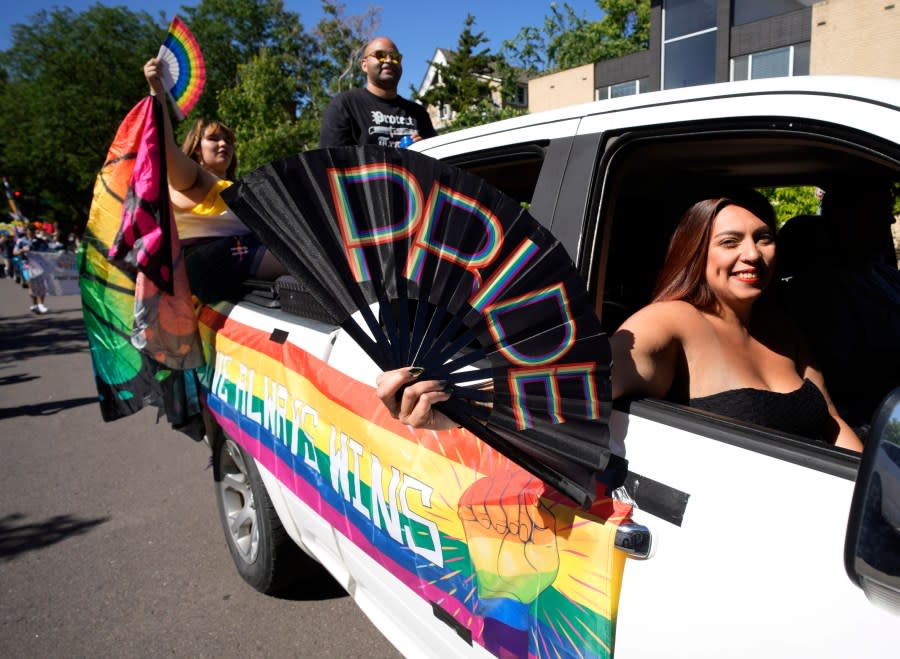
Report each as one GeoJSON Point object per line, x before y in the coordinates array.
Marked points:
{"type": "Point", "coordinates": [472, 82]}
{"type": "Point", "coordinates": [69, 79]}
{"type": "Point", "coordinates": [892, 432]}
{"type": "Point", "coordinates": [462, 83]}
{"type": "Point", "coordinates": [567, 39]}
{"type": "Point", "coordinates": [232, 32]}
{"type": "Point", "coordinates": [624, 29]}
{"type": "Point", "coordinates": [262, 109]}
{"type": "Point", "coordinates": [791, 201]}
{"type": "Point", "coordinates": [341, 41]}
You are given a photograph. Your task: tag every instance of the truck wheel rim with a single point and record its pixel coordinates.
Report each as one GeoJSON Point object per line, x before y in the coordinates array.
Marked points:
{"type": "Point", "coordinates": [239, 503]}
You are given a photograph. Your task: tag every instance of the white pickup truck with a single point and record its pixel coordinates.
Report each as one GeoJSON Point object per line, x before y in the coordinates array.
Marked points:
{"type": "Point", "coordinates": [754, 532]}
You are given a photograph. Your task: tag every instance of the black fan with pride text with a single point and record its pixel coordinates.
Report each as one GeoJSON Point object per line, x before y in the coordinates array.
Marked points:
{"type": "Point", "coordinates": [426, 265]}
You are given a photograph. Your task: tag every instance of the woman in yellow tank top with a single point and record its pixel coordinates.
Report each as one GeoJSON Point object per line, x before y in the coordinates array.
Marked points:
{"type": "Point", "coordinates": [220, 251]}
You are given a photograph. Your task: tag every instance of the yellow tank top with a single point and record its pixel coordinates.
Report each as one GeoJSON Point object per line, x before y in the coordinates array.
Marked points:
{"type": "Point", "coordinates": [211, 218]}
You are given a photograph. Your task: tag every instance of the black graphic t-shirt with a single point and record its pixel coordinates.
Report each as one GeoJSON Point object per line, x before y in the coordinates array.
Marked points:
{"type": "Point", "coordinates": [359, 117]}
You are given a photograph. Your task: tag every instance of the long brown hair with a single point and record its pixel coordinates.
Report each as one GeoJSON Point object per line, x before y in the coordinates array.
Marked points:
{"type": "Point", "coordinates": [683, 275]}
{"type": "Point", "coordinates": [191, 144]}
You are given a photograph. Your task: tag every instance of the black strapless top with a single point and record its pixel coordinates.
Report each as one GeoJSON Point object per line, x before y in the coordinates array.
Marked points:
{"type": "Point", "coordinates": [801, 412]}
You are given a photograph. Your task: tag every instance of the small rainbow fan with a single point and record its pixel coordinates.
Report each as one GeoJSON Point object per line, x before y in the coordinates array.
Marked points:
{"type": "Point", "coordinates": [183, 71]}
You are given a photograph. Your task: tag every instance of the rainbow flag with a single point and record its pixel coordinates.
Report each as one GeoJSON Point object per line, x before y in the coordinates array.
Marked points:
{"type": "Point", "coordinates": [134, 361]}
{"type": "Point", "coordinates": [184, 72]}
{"type": "Point", "coordinates": [545, 586]}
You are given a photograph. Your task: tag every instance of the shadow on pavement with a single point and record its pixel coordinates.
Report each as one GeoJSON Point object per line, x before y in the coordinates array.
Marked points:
{"type": "Point", "coordinates": [45, 409]}
{"type": "Point", "coordinates": [31, 336]}
{"type": "Point", "coordinates": [16, 539]}
{"type": "Point", "coordinates": [17, 378]}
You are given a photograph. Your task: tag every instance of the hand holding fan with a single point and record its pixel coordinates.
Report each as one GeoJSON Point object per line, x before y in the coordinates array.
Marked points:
{"type": "Point", "coordinates": [183, 71]}
{"type": "Point", "coordinates": [426, 265]}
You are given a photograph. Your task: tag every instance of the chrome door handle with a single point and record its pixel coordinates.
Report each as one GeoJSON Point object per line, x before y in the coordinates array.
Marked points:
{"type": "Point", "coordinates": [636, 540]}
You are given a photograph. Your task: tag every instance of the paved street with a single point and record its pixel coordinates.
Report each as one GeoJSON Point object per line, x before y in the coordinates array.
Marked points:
{"type": "Point", "coordinates": [110, 545]}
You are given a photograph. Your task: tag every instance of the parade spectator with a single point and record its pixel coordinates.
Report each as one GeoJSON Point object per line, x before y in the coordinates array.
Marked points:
{"type": "Point", "coordinates": [36, 285]}
{"type": "Point", "coordinates": [375, 114]}
{"type": "Point", "coordinates": [72, 242]}
{"type": "Point", "coordinates": [55, 244]}
{"type": "Point", "coordinates": [39, 242]}
{"type": "Point", "coordinates": [7, 242]}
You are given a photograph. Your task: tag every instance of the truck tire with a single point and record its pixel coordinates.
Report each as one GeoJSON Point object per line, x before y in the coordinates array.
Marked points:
{"type": "Point", "coordinates": [264, 554]}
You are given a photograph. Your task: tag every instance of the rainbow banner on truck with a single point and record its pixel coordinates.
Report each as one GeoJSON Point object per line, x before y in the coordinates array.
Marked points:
{"type": "Point", "coordinates": [545, 584]}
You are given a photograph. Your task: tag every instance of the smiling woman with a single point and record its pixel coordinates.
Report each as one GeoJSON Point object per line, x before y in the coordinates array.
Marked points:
{"type": "Point", "coordinates": [711, 339]}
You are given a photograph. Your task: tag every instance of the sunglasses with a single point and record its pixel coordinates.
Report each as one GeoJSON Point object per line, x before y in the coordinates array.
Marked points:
{"type": "Point", "coordinates": [386, 56]}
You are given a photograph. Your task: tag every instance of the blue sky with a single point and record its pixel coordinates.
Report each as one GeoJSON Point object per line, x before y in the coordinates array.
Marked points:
{"type": "Point", "coordinates": [417, 26]}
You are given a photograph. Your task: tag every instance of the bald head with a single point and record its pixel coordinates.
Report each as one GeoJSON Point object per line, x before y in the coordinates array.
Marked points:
{"type": "Point", "coordinates": [381, 43]}
{"type": "Point", "coordinates": [380, 62]}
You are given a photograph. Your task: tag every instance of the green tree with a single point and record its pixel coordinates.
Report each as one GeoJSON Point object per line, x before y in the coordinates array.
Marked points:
{"type": "Point", "coordinates": [532, 50]}
{"type": "Point", "coordinates": [567, 39]}
{"type": "Point", "coordinates": [262, 109]}
{"type": "Point", "coordinates": [280, 91]}
{"type": "Point", "coordinates": [232, 32]}
{"type": "Point", "coordinates": [527, 51]}
{"type": "Point", "coordinates": [892, 432]}
{"type": "Point", "coordinates": [483, 112]}
{"type": "Point", "coordinates": [624, 29]}
{"type": "Point", "coordinates": [341, 41]}
{"type": "Point", "coordinates": [276, 105]}
{"type": "Point", "coordinates": [69, 79]}
{"type": "Point", "coordinates": [463, 82]}
{"type": "Point", "coordinates": [791, 201]}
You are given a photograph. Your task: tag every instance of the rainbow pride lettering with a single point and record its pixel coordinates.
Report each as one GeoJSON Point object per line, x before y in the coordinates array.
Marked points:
{"type": "Point", "coordinates": [522, 304]}
{"type": "Point", "coordinates": [494, 287]}
{"type": "Point", "coordinates": [355, 237]}
{"type": "Point", "coordinates": [420, 219]}
{"type": "Point", "coordinates": [427, 240]}
{"type": "Point", "coordinates": [354, 190]}
{"type": "Point", "coordinates": [547, 379]}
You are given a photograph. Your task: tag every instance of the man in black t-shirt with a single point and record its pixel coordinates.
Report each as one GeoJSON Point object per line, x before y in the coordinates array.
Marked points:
{"type": "Point", "coordinates": [375, 114]}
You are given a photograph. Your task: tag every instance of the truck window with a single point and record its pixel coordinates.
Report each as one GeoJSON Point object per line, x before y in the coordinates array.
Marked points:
{"type": "Point", "coordinates": [513, 170]}
{"type": "Point", "coordinates": [650, 181]}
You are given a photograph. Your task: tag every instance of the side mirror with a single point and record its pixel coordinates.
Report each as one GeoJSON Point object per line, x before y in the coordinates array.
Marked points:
{"type": "Point", "coordinates": [872, 547]}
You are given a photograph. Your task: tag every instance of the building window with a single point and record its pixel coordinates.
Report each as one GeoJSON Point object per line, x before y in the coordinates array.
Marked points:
{"type": "Point", "coordinates": [521, 98]}
{"type": "Point", "coordinates": [628, 88]}
{"type": "Point", "coordinates": [688, 62]}
{"type": "Point", "coordinates": [747, 11]}
{"type": "Point", "coordinates": [445, 112]}
{"type": "Point", "coordinates": [624, 89]}
{"type": "Point", "coordinates": [689, 46]}
{"type": "Point", "coordinates": [800, 59]}
{"type": "Point", "coordinates": [685, 17]}
{"type": "Point", "coordinates": [776, 63]}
